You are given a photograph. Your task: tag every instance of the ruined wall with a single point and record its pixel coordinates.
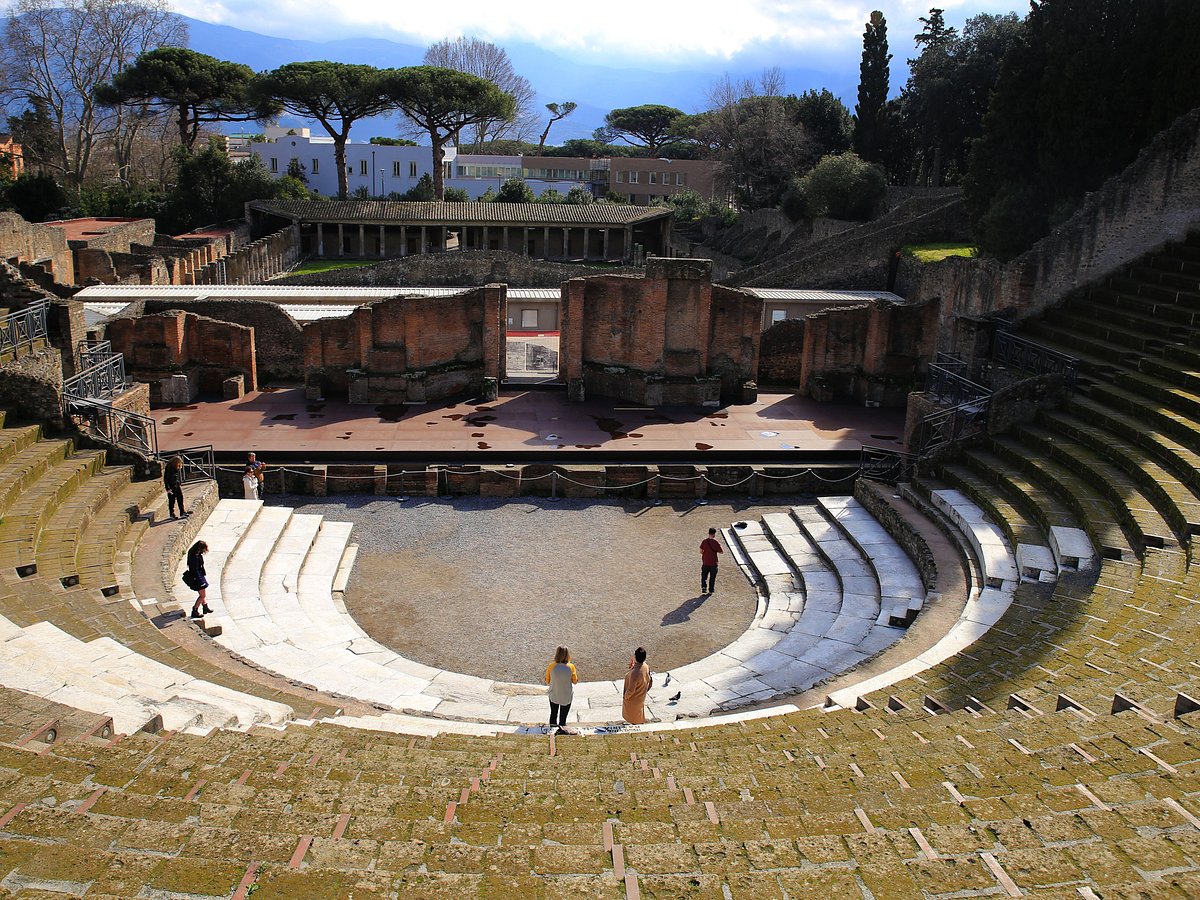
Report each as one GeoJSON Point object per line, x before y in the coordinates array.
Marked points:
{"type": "Point", "coordinates": [873, 354]}
{"type": "Point", "coordinates": [669, 337]}
{"type": "Point", "coordinates": [278, 338]}
{"type": "Point", "coordinates": [468, 268]}
{"type": "Point", "coordinates": [36, 244]}
{"type": "Point", "coordinates": [404, 348]}
{"type": "Point", "coordinates": [857, 259]}
{"type": "Point", "coordinates": [252, 263]}
{"type": "Point", "coordinates": [31, 387]}
{"type": "Point", "coordinates": [1155, 200]}
{"type": "Point", "coordinates": [117, 236]}
{"type": "Point", "coordinates": [781, 354]}
{"type": "Point", "coordinates": [113, 267]}
{"type": "Point", "coordinates": [181, 343]}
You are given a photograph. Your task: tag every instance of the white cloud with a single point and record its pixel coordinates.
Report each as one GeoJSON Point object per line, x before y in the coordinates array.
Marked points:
{"type": "Point", "coordinates": [660, 30]}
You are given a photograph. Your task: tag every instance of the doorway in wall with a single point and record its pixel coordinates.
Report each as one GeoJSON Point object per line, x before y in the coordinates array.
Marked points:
{"type": "Point", "coordinates": [531, 339]}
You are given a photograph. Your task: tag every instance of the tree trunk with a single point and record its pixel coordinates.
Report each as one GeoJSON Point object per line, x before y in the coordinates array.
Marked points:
{"type": "Point", "coordinates": [184, 142]}
{"type": "Point", "coordinates": [439, 180]}
{"type": "Point", "coordinates": [545, 134]}
{"type": "Point", "coordinates": [339, 160]}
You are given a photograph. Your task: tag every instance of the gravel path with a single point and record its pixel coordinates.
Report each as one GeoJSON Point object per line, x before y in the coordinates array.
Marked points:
{"type": "Point", "coordinates": [491, 587]}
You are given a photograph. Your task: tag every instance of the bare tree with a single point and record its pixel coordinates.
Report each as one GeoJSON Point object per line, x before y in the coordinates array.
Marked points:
{"type": "Point", "coordinates": [485, 60]}
{"type": "Point", "coordinates": [56, 52]}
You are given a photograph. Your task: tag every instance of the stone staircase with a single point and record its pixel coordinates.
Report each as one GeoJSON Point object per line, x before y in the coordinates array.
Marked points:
{"type": "Point", "coordinates": [828, 602]}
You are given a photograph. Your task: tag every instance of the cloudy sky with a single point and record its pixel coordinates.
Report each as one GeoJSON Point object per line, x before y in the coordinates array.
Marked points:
{"type": "Point", "coordinates": [698, 33]}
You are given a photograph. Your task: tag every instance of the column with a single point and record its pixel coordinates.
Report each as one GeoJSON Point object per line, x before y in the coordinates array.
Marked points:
{"type": "Point", "coordinates": [341, 240]}
{"type": "Point", "coordinates": [628, 255]}
{"type": "Point", "coordinates": [362, 241]}
{"type": "Point", "coordinates": [486, 243]}
{"type": "Point", "coordinates": [524, 241]}
{"type": "Point", "coordinates": [545, 243]}
{"type": "Point", "coordinates": [445, 236]}
{"type": "Point", "coordinates": [320, 239]}
{"type": "Point", "coordinates": [504, 238]}
{"type": "Point", "coordinates": [566, 243]}
{"type": "Point", "coordinates": [587, 243]}
{"type": "Point", "coordinates": [604, 243]}
{"type": "Point", "coordinates": [404, 240]}
{"type": "Point", "coordinates": [382, 242]}
{"type": "Point", "coordinates": [424, 241]}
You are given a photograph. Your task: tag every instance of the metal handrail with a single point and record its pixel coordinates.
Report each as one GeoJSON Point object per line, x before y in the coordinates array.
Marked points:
{"type": "Point", "coordinates": [199, 463]}
{"type": "Point", "coordinates": [949, 388]}
{"type": "Point", "coordinates": [92, 353]}
{"type": "Point", "coordinates": [882, 464]}
{"type": "Point", "coordinates": [22, 328]}
{"type": "Point", "coordinates": [1018, 351]}
{"type": "Point", "coordinates": [120, 427]}
{"type": "Point", "coordinates": [947, 426]}
{"type": "Point", "coordinates": [103, 381]}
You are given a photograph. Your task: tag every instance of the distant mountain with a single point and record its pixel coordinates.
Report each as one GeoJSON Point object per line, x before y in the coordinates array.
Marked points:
{"type": "Point", "coordinates": [596, 88]}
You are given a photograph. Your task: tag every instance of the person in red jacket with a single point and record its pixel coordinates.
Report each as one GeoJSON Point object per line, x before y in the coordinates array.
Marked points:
{"type": "Point", "coordinates": [709, 548]}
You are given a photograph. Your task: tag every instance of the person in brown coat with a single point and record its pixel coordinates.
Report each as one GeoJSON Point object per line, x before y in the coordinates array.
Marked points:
{"type": "Point", "coordinates": [638, 682]}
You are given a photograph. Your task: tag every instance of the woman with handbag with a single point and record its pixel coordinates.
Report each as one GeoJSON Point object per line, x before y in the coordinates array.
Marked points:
{"type": "Point", "coordinates": [195, 578]}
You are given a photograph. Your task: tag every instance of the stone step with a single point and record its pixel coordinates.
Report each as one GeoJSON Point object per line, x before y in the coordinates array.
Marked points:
{"type": "Point", "coordinates": [902, 593]}
{"type": "Point", "coordinates": [1181, 280]}
{"type": "Point", "coordinates": [58, 542]}
{"type": "Point", "coordinates": [28, 514]}
{"type": "Point", "coordinates": [1090, 509]}
{"type": "Point", "coordinates": [1022, 532]}
{"type": "Point", "coordinates": [1001, 567]}
{"type": "Point", "coordinates": [1132, 507]}
{"type": "Point", "coordinates": [1146, 307]}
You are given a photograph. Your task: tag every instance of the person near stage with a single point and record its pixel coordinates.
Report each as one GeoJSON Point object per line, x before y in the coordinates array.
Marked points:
{"type": "Point", "coordinates": [561, 675]}
{"type": "Point", "coordinates": [638, 682]}
{"type": "Point", "coordinates": [250, 484]}
{"type": "Point", "coordinates": [195, 578]}
{"type": "Point", "coordinates": [173, 481]}
{"type": "Point", "coordinates": [710, 547]}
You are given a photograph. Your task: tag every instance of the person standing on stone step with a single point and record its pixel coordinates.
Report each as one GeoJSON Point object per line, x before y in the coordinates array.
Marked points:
{"type": "Point", "coordinates": [638, 682]}
{"type": "Point", "coordinates": [259, 468]}
{"type": "Point", "coordinates": [561, 675]}
{"type": "Point", "coordinates": [250, 484]}
{"type": "Point", "coordinates": [196, 578]}
{"type": "Point", "coordinates": [173, 480]}
{"type": "Point", "coordinates": [710, 547]}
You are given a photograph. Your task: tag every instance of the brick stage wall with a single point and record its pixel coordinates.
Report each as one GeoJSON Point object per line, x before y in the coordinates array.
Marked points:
{"type": "Point", "coordinates": [178, 342]}
{"type": "Point", "coordinates": [27, 242]}
{"type": "Point", "coordinates": [402, 348]}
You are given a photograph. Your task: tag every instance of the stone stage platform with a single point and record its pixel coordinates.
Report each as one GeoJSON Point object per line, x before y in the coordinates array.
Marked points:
{"type": "Point", "coordinates": [528, 426]}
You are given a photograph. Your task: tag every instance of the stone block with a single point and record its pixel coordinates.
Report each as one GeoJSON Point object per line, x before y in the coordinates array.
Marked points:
{"type": "Point", "coordinates": [234, 388]}
{"type": "Point", "coordinates": [177, 390]}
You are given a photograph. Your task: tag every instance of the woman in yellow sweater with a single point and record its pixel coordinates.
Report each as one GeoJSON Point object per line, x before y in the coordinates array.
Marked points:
{"type": "Point", "coordinates": [560, 675]}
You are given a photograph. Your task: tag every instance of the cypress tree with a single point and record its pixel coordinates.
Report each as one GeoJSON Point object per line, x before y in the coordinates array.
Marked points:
{"type": "Point", "coordinates": [872, 89]}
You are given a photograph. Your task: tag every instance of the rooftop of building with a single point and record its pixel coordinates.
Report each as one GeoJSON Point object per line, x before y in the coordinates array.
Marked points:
{"type": "Point", "coordinates": [81, 229]}
{"type": "Point", "coordinates": [387, 212]}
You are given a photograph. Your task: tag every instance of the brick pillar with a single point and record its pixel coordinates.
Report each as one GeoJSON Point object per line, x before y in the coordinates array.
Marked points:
{"type": "Point", "coordinates": [570, 344]}
{"type": "Point", "coordinates": [495, 303]}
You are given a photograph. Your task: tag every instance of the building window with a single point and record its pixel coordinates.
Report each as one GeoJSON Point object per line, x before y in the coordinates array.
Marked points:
{"type": "Point", "coordinates": [666, 177]}
{"type": "Point", "coordinates": [362, 167]}
{"type": "Point", "coordinates": [680, 178]}
{"type": "Point", "coordinates": [412, 170]}
{"type": "Point", "coordinates": [620, 177]}
{"type": "Point", "coordinates": [653, 178]}
{"type": "Point", "coordinates": [633, 177]}
{"type": "Point", "coordinates": [274, 164]}
{"type": "Point", "coordinates": [396, 170]}
{"type": "Point", "coordinates": [778, 315]}
{"type": "Point", "coordinates": [529, 318]}
{"type": "Point", "coordinates": [316, 167]}
{"type": "Point", "coordinates": [447, 170]}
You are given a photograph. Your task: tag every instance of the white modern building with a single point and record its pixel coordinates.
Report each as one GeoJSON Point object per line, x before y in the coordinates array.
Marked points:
{"type": "Point", "coordinates": [385, 169]}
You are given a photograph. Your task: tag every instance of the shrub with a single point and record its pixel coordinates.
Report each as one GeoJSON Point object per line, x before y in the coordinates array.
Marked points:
{"type": "Point", "coordinates": [842, 187]}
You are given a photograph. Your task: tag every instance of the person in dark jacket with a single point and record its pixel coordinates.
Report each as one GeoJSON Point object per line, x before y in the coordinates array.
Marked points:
{"type": "Point", "coordinates": [173, 479]}
{"type": "Point", "coordinates": [197, 580]}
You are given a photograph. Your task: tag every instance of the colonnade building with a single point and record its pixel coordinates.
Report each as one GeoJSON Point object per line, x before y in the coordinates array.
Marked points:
{"type": "Point", "coordinates": [384, 229]}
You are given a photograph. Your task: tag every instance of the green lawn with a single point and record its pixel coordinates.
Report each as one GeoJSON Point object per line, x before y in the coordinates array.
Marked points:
{"type": "Point", "coordinates": [928, 253]}
{"type": "Point", "coordinates": [314, 266]}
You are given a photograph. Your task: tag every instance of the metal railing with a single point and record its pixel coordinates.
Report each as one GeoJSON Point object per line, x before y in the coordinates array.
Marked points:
{"type": "Point", "coordinates": [1014, 350]}
{"type": "Point", "coordinates": [951, 425]}
{"type": "Point", "coordinates": [198, 463]}
{"type": "Point", "coordinates": [19, 330]}
{"type": "Point", "coordinates": [102, 381]}
{"type": "Point", "coordinates": [119, 427]}
{"type": "Point", "coordinates": [950, 388]}
{"type": "Point", "coordinates": [890, 466]}
{"type": "Point", "coordinates": [92, 353]}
